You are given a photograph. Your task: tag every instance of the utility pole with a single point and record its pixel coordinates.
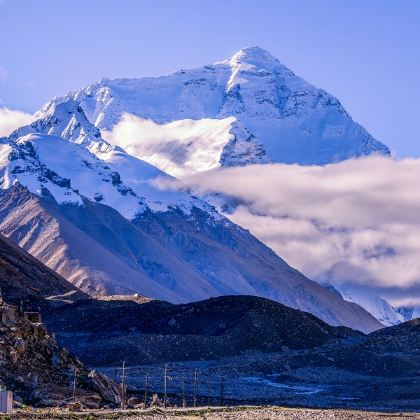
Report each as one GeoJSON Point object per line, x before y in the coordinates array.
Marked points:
{"type": "Point", "coordinates": [222, 385]}
{"type": "Point", "coordinates": [208, 393]}
{"type": "Point", "coordinates": [195, 387]}
{"type": "Point", "coordinates": [184, 401]}
{"type": "Point", "coordinates": [123, 387]}
{"type": "Point", "coordinates": [74, 383]}
{"type": "Point", "coordinates": [165, 382]}
{"type": "Point", "coordinates": [146, 385]}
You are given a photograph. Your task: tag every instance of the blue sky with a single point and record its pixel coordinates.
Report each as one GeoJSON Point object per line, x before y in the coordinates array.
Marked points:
{"type": "Point", "coordinates": [367, 53]}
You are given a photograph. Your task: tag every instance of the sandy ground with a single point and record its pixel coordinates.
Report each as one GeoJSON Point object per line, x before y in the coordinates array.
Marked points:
{"type": "Point", "coordinates": [237, 413]}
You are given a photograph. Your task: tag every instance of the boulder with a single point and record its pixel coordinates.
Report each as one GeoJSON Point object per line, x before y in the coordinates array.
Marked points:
{"type": "Point", "coordinates": [106, 387]}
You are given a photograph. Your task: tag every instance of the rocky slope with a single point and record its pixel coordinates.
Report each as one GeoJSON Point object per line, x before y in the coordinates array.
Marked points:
{"type": "Point", "coordinates": [228, 326]}
{"type": "Point", "coordinates": [392, 352]}
{"type": "Point", "coordinates": [39, 371]}
{"type": "Point", "coordinates": [247, 109]}
{"type": "Point", "coordinates": [24, 280]}
{"type": "Point", "coordinates": [404, 337]}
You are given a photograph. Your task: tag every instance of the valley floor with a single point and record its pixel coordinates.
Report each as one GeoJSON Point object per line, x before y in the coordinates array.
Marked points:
{"type": "Point", "coordinates": [276, 379]}
{"type": "Point", "coordinates": [236, 413]}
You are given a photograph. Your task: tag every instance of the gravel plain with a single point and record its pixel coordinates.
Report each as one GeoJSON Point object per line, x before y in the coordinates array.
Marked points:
{"type": "Point", "coordinates": [234, 413]}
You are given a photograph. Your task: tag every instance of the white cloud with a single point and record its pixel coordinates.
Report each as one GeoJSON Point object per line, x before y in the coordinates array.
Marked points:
{"type": "Point", "coordinates": [12, 119]}
{"type": "Point", "coordinates": [179, 148]}
{"type": "Point", "coordinates": [357, 221]}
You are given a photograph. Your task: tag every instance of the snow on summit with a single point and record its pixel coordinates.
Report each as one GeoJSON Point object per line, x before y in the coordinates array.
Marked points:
{"type": "Point", "coordinates": [247, 109]}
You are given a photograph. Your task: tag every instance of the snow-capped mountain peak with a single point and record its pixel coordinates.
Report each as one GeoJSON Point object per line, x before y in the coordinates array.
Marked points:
{"type": "Point", "coordinates": [66, 119]}
{"type": "Point", "coordinates": [255, 57]}
{"type": "Point", "coordinates": [63, 155]}
{"type": "Point", "coordinates": [267, 113]}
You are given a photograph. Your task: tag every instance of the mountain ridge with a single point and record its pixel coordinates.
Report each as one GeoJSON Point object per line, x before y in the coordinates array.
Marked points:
{"type": "Point", "coordinates": [92, 212]}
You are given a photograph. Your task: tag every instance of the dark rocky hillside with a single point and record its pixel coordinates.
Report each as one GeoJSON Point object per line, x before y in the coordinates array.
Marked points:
{"type": "Point", "coordinates": [212, 328]}
{"type": "Point", "coordinates": [39, 371]}
{"type": "Point", "coordinates": [393, 351]}
{"type": "Point", "coordinates": [25, 279]}
{"type": "Point", "coordinates": [404, 337]}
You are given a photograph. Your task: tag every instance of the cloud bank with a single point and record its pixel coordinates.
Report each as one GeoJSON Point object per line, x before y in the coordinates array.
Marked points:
{"type": "Point", "coordinates": [354, 222]}
{"type": "Point", "coordinates": [12, 119]}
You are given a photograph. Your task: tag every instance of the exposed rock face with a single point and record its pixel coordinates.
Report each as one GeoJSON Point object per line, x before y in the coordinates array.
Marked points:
{"type": "Point", "coordinates": [409, 312]}
{"type": "Point", "coordinates": [38, 370]}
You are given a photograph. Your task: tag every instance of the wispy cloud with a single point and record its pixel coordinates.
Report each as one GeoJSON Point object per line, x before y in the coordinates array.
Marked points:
{"type": "Point", "coordinates": [12, 119]}
{"type": "Point", "coordinates": [357, 221]}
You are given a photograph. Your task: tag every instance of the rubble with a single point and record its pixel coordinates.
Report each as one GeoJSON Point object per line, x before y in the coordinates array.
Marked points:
{"type": "Point", "coordinates": [39, 371]}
